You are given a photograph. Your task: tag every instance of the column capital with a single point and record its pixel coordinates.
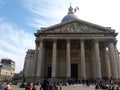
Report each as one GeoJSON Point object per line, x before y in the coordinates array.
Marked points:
{"type": "Point", "coordinates": [41, 39]}
{"type": "Point", "coordinates": [37, 39]}
{"type": "Point", "coordinates": [68, 39]}
{"type": "Point", "coordinates": [82, 40]}
{"type": "Point", "coordinates": [115, 41]}
{"type": "Point", "coordinates": [112, 40]}
{"type": "Point", "coordinates": [54, 40]}
{"type": "Point", "coordinates": [36, 42]}
{"type": "Point", "coordinates": [96, 40]}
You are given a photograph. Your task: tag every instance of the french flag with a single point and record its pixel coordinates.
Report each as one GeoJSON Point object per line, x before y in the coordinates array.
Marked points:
{"type": "Point", "coordinates": [77, 8]}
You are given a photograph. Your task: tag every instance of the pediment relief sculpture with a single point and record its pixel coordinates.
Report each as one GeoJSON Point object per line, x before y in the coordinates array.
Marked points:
{"type": "Point", "coordinates": [76, 27]}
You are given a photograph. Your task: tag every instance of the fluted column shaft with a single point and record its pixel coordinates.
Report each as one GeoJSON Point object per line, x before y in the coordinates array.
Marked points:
{"type": "Point", "coordinates": [117, 60]}
{"type": "Point", "coordinates": [31, 65]}
{"type": "Point", "coordinates": [112, 60]}
{"type": "Point", "coordinates": [106, 61]}
{"type": "Point", "coordinates": [83, 65]}
{"type": "Point", "coordinates": [28, 65]}
{"type": "Point", "coordinates": [54, 55]}
{"type": "Point", "coordinates": [35, 60]}
{"type": "Point", "coordinates": [97, 58]}
{"type": "Point", "coordinates": [40, 60]}
{"type": "Point", "coordinates": [68, 59]}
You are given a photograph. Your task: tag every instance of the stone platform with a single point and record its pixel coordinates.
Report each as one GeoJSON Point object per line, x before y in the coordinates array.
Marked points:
{"type": "Point", "coordinates": [70, 87]}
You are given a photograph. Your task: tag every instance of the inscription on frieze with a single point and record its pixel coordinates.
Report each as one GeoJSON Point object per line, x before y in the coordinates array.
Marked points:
{"type": "Point", "coordinates": [76, 27]}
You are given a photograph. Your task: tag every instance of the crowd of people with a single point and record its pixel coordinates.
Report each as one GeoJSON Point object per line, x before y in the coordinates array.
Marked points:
{"type": "Point", "coordinates": [4, 87]}
{"type": "Point", "coordinates": [107, 86]}
{"type": "Point", "coordinates": [48, 85]}
{"type": "Point", "coordinates": [45, 85]}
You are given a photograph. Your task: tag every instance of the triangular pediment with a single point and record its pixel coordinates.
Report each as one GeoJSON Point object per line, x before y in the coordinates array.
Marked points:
{"type": "Point", "coordinates": [76, 26]}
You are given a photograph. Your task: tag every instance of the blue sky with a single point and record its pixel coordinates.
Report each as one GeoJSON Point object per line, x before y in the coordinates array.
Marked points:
{"type": "Point", "coordinates": [19, 19]}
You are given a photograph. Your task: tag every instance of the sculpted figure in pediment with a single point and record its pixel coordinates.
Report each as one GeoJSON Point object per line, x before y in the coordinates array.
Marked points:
{"type": "Point", "coordinates": [76, 27]}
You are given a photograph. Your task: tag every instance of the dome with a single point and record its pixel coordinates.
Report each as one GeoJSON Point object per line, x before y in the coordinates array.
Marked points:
{"type": "Point", "coordinates": [70, 15]}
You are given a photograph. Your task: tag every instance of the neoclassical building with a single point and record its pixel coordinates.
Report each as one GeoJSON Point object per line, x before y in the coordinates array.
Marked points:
{"type": "Point", "coordinates": [73, 49]}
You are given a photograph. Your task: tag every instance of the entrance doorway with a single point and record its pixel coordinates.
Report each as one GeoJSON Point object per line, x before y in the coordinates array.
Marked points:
{"type": "Point", "coordinates": [74, 71]}
{"type": "Point", "coordinates": [49, 72]}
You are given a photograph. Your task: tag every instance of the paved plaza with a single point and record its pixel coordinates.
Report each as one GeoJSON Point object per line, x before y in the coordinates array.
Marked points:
{"type": "Point", "coordinates": [71, 87]}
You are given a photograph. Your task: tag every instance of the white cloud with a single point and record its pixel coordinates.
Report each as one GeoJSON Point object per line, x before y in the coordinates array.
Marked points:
{"type": "Point", "coordinates": [14, 42]}
{"type": "Point", "coordinates": [46, 13]}
{"type": "Point", "coordinates": [103, 12]}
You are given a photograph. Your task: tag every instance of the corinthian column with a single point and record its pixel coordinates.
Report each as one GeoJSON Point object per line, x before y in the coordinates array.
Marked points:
{"type": "Point", "coordinates": [112, 60]}
{"type": "Point", "coordinates": [35, 59]}
{"type": "Point", "coordinates": [40, 59]}
{"type": "Point", "coordinates": [54, 54]}
{"type": "Point", "coordinates": [97, 58]}
{"type": "Point", "coordinates": [68, 59]}
{"type": "Point", "coordinates": [106, 62]}
{"type": "Point", "coordinates": [83, 66]}
{"type": "Point", "coordinates": [117, 59]}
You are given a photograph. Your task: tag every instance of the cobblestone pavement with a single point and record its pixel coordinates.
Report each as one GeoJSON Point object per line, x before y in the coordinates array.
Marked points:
{"type": "Point", "coordinates": [71, 87]}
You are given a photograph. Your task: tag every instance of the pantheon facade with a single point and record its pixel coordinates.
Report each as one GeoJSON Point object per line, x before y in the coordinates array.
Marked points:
{"type": "Point", "coordinates": [73, 49]}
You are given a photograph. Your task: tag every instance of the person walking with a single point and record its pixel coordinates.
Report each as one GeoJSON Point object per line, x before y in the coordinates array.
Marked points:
{"type": "Point", "coordinates": [7, 87]}
{"type": "Point", "coordinates": [29, 86]}
{"type": "Point", "coordinates": [34, 88]}
{"type": "Point", "coordinates": [57, 86]}
{"type": "Point", "coordinates": [45, 85]}
{"type": "Point", "coordinates": [1, 86]}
